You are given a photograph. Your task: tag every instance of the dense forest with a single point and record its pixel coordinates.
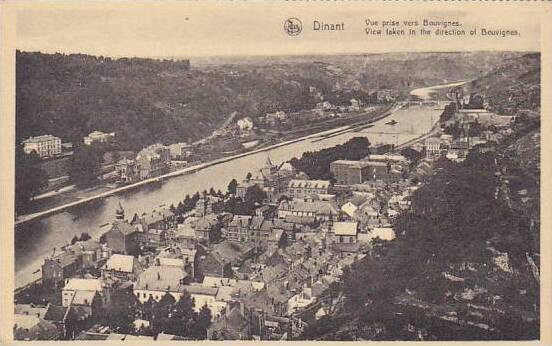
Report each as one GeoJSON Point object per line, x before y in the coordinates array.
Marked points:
{"type": "Point", "coordinates": [145, 101]}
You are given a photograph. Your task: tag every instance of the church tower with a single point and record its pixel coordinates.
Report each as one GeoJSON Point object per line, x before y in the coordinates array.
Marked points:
{"type": "Point", "coordinates": [120, 213]}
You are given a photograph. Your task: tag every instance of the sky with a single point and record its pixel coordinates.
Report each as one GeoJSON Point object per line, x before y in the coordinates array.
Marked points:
{"type": "Point", "coordinates": [193, 29]}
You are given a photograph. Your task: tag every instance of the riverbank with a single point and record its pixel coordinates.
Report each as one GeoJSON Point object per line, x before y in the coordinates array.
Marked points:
{"type": "Point", "coordinates": [56, 209]}
{"type": "Point", "coordinates": [56, 229]}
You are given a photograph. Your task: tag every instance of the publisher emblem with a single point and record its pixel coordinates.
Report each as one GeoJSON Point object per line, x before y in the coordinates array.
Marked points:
{"type": "Point", "coordinates": [293, 26]}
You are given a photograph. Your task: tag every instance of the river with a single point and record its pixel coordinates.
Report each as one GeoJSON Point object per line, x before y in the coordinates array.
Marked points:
{"type": "Point", "coordinates": [36, 239]}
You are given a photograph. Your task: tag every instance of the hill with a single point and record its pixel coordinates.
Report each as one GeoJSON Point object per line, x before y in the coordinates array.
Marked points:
{"type": "Point", "coordinates": [512, 87]}
{"type": "Point", "coordinates": [145, 101]}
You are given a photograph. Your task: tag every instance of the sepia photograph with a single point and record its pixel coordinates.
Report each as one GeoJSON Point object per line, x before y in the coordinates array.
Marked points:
{"type": "Point", "coordinates": [187, 173]}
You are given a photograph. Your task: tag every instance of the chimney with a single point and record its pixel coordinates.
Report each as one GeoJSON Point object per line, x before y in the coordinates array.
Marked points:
{"type": "Point", "coordinates": [158, 276]}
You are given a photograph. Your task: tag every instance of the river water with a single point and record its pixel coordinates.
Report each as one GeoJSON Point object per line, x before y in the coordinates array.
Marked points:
{"type": "Point", "coordinates": [36, 239]}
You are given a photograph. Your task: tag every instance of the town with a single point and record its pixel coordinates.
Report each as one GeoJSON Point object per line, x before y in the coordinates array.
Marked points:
{"type": "Point", "coordinates": [260, 261]}
{"type": "Point", "coordinates": [63, 169]}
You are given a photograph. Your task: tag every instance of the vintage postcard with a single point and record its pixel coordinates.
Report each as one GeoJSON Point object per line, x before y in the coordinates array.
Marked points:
{"type": "Point", "coordinates": [284, 171]}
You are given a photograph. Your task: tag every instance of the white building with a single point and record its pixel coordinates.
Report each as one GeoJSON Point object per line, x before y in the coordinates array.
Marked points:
{"type": "Point", "coordinates": [245, 124]}
{"type": "Point", "coordinates": [432, 148]}
{"type": "Point", "coordinates": [203, 295]}
{"type": "Point", "coordinates": [383, 233]}
{"type": "Point", "coordinates": [355, 105]}
{"type": "Point", "coordinates": [44, 146]}
{"type": "Point", "coordinates": [98, 137]}
{"type": "Point", "coordinates": [387, 158]}
{"type": "Point", "coordinates": [120, 267]}
{"type": "Point", "coordinates": [82, 288]}
{"type": "Point", "coordinates": [300, 188]}
{"type": "Point", "coordinates": [300, 300]}
{"type": "Point", "coordinates": [156, 281]}
{"type": "Point", "coordinates": [345, 232]}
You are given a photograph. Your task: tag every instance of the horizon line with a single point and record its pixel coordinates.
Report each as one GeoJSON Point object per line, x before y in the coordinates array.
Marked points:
{"type": "Point", "coordinates": [249, 56]}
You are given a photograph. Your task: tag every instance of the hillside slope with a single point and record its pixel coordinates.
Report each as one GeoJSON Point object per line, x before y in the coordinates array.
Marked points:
{"type": "Point", "coordinates": [146, 101]}
{"type": "Point", "coordinates": [513, 86]}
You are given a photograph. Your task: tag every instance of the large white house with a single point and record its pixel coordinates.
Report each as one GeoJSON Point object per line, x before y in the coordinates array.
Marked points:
{"type": "Point", "coordinates": [245, 124]}
{"type": "Point", "coordinates": [44, 146]}
{"type": "Point", "coordinates": [98, 137]}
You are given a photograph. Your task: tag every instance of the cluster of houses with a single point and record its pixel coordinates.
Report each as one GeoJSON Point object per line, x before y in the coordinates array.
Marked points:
{"type": "Point", "coordinates": [258, 274]}
{"type": "Point", "coordinates": [152, 161]}
{"type": "Point", "coordinates": [456, 147]}
{"type": "Point", "coordinates": [323, 110]}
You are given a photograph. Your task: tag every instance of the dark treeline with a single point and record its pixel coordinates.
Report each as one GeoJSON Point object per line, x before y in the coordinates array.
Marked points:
{"type": "Point", "coordinates": [317, 164]}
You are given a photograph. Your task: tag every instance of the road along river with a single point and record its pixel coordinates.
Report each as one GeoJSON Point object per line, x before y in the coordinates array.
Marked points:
{"type": "Point", "coordinates": [35, 239]}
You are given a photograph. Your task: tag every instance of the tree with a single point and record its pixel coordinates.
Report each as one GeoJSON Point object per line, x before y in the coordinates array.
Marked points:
{"type": "Point", "coordinates": [85, 165]}
{"type": "Point", "coordinates": [202, 323]}
{"type": "Point", "coordinates": [161, 313]}
{"type": "Point", "coordinates": [74, 240]}
{"type": "Point", "coordinates": [84, 236]}
{"type": "Point", "coordinates": [181, 319]}
{"type": "Point", "coordinates": [248, 176]}
{"type": "Point", "coordinates": [29, 178]}
{"type": "Point", "coordinates": [232, 186]}
{"type": "Point", "coordinates": [183, 309]}
{"type": "Point", "coordinates": [180, 207]}
{"type": "Point", "coordinates": [317, 164]}
{"type": "Point", "coordinates": [255, 195]}
{"type": "Point", "coordinates": [121, 313]}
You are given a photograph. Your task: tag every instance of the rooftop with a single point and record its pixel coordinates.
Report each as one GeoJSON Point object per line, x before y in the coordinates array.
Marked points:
{"type": "Point", "coordinates": [345, 228]}
{"type": "Point", "coordinates": [77, 284]}
{"type": "Point", "coordinates": [83, 298]}
{"type": "Point", "coordinates": [157, 215]}
{"type": "Point", "coordinates": [124, 227]}
{"type": "Point", "coordinates": [386, 157]}
{"type": "Point", "coordinates": [384, 233]}
{"type": "Point", "coordinates": [309, 184]}
{"type": "Point", "coordinates": [161, 278]}
{"type": "Point", "coordinates": [31, 309]}
{"type": "Point", "coordinates": [39, 139]}
{"type": "Point", "coordinates": [122, 263]}
{"type": "Point", "coordinates": [199, 289]}
{"type": "Point", "coordinates": [355, 164]}
{"type": "Point", "coordinates": [318, 207]}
